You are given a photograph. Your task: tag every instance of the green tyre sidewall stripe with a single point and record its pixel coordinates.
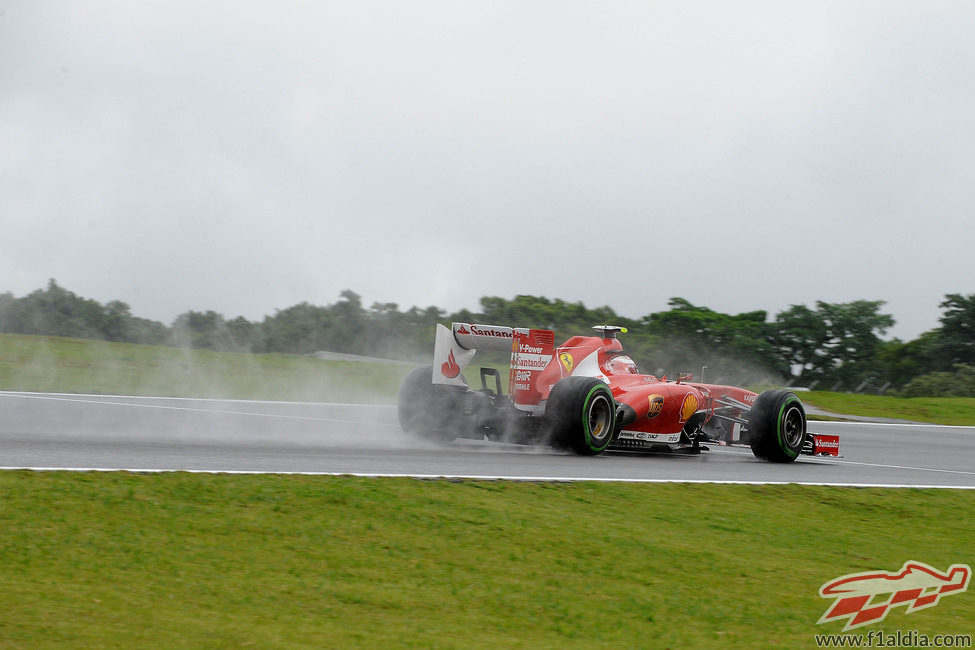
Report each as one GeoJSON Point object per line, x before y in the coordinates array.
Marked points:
{"type": "Point", "coordinates": [585, 421]}
{"type": "Point", "coordinates": [780, 433]}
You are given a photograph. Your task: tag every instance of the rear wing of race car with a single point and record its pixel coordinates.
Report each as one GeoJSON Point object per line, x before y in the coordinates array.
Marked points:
{"type": "Point", "coordinates": [532, 353]}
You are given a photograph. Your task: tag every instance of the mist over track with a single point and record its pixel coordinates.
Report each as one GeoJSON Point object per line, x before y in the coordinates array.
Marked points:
{"type": "Point", "coordinates": [46, 430]}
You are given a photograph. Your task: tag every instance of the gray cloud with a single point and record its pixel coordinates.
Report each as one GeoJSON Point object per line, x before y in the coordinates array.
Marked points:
{"type": "Point", "coordinates": [243, 157]}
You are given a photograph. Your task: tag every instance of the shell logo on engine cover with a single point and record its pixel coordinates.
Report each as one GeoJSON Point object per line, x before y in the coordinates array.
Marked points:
{"type": "Point", "coordinates": [567, 362]}
{"type": "Point", "coordinates": [656, 406]}
{"type": "Point", "coordinates": [689, 407]}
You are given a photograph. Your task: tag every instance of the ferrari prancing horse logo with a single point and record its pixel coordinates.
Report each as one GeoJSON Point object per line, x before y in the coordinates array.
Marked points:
{"type": "Point", "coordinates": [567, 362]}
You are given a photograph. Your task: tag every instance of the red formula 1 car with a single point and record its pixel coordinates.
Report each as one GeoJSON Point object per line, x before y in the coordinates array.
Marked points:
{"type": "Point", "coordinates": [587, 396]}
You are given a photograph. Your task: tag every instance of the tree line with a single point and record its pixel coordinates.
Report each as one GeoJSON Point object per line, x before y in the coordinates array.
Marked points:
{"type": "Point", "coordinates": [828, 346]}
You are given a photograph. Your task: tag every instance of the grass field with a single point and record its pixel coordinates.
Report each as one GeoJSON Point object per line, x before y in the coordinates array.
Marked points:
{"type": "Point", "coordinates": [177, 560]}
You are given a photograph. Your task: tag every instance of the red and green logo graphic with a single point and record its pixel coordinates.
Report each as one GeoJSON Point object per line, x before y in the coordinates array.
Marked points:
{"type": "Point", "coordinates": [866, 598]}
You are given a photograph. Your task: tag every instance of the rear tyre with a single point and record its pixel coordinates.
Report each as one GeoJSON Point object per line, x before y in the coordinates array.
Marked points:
{"type": "Point", "coordinates": [777, 426]}
{"type": "Point", "coordinates": [582, 415]}
{"type": "Point", "coordinates": [430, 411]}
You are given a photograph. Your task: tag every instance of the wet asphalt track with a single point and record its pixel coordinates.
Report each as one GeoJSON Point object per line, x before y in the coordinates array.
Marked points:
{"type": "Point", "coordinates": [40, 430]}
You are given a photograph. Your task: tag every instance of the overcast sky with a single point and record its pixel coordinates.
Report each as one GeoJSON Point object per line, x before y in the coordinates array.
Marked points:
{"type": "Point", "coordinates": [244, 157]}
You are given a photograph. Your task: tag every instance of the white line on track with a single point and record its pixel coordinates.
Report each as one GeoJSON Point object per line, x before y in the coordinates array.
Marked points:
{"type": "Point", "coordinates": [70, 396]}
{"type": "Point", "coordinates": [919, 469]}
{"type": "Point", "coordinates": [818, 424]}
{"type": "Point", "coordinates": [830, 461]}
{"type": "Point", "coordinates": [65, 397]}
{"type": "Point", "coordinates": [478, 477]}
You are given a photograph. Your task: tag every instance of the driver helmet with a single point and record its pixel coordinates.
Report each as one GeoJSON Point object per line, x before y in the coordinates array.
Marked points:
{"type": "Point", "coordinates": [622, 365]}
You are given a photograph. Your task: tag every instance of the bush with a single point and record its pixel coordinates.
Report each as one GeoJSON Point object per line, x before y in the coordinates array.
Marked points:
{"type": "Point", "coordinates": [959, 382]}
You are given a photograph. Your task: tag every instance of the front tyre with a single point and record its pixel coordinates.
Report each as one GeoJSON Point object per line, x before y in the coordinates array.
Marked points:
{"type": "Point", "coordinates": [582, 415]}
{"type": "Point", "coordinates": [430, 411]}
{"type": "Point", "coordinates": [777, 426]}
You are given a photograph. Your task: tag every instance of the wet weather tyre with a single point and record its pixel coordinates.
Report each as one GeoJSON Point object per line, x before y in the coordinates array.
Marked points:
{"type": "Point", "coordinates": [777, 426]}
{"type": "Point", "coordinates": [430, 411]}
{"type": "Point", "coordinates": [582, 415]}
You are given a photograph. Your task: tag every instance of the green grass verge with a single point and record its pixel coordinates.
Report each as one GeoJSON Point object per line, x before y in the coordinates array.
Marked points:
{"type": "Point", "coordinates": [938, 410]}
{"type": "Point", "coordinates": [176, 560]}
